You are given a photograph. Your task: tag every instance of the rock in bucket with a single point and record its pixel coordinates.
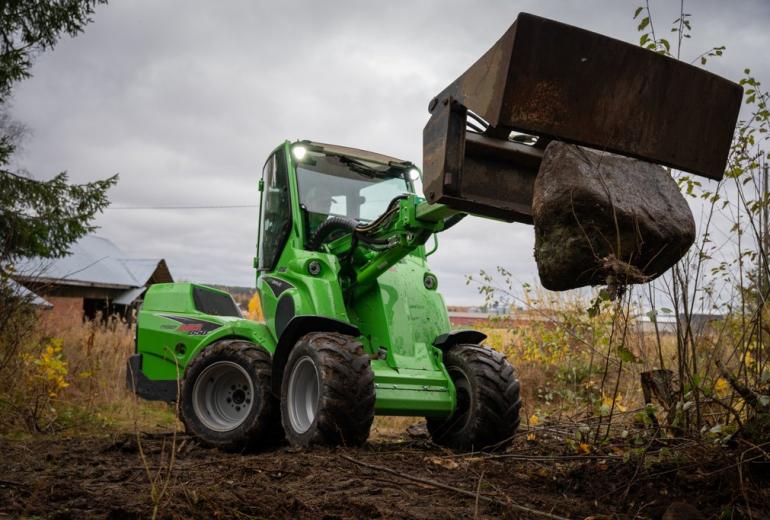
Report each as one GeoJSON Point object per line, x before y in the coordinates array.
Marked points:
{"type": "Point", "coordinates": [605, 219]}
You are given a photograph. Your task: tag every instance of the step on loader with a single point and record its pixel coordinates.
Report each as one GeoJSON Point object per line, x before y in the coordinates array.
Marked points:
{"type": "Point", "coordinates": [354, 323]}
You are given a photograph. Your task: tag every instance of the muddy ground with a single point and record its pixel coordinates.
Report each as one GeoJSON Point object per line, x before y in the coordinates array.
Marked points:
{"type": "Point", "coordinates": [391, 477]}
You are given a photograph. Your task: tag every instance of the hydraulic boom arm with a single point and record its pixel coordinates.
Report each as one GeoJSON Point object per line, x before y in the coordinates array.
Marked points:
{"type": "Point", "coordinates": [402, 229]}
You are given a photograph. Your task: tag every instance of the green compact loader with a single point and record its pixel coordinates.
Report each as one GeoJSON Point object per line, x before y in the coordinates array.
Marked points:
{"type": "Point", "coordinates": [354, 323]}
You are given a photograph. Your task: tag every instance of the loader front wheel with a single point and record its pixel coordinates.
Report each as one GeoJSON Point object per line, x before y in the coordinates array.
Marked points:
{"type": "Point", "coordinates": [327, 392]}
{"type": "Point", "coordinates": [226, 400]}
{"type": "Point", "coordinates": [488, 402]}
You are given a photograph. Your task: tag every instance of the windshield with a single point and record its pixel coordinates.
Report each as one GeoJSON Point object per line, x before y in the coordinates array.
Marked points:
{"type": "Point", "coordinates": [353, 189]}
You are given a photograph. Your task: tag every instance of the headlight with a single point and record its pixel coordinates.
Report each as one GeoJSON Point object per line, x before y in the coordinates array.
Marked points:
{"type": "Point", "coordinates": [299, 152]}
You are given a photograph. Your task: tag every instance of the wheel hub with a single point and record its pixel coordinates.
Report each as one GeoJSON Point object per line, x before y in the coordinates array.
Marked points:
{"type": "Point", "coordinates": [223, 396]}
{"type": "Point", "coordinates": [303, 393]}
{"type": "Point", "coordinates": [239, 396]}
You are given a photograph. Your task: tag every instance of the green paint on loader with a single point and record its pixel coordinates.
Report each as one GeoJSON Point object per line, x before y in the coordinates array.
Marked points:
{"type": "Point", "coordinates": [341, 251]}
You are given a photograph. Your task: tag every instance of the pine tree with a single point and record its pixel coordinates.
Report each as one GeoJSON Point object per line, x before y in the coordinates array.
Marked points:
{"type": "Point", "coordinates": [39, 218]}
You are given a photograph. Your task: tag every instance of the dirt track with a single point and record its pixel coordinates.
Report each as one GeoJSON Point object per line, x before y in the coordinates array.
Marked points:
{"type": "Point", "coordinates": [105, 477]}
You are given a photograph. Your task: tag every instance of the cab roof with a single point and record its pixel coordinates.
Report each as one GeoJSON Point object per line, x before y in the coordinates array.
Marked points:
{"type": "Point", "coordinates": [362, 155]}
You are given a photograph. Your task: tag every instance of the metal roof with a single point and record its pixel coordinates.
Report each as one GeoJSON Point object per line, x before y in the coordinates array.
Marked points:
{"type": "Point", "coordinates": [93, 261]}
{"type": "Point", "coordinates": [129, 296]}
{"type": "Point", "coordinates": [22, 292]}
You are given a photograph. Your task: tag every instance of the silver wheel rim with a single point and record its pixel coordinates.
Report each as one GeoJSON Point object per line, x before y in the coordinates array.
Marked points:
{"type": "Point", "coordinates": [223, 396]}
{"type": "Point", "coordinates": [464, 396]}
{"type": "Point", "coordinates": [304, 390]}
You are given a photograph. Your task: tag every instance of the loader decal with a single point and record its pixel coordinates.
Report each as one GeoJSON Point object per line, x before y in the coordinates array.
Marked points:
{"type": "Point", "coordinates": [277, 285]}
{"type": "Point", "coordinates": [193, 326]}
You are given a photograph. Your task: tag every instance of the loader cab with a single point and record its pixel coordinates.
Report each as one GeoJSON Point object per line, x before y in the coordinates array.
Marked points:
{"type": "Point", "coordinates": [305, 183]}
{"type": "Point", "coordinates": [331, 183]}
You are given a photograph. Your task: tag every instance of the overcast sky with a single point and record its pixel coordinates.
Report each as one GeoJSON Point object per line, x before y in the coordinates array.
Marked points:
{"type": "Point", "coordinates": [185, 99]}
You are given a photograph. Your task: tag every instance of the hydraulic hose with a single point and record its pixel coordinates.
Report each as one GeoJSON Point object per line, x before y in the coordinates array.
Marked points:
{"type": "Point", "coordinates": [329, 226]}
{"type": "Point", "coordinates": [359, 231]}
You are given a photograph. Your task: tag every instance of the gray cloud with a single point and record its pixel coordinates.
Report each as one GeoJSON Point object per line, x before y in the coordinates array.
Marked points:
{"type": "Point", "coordinates": [186, 99]}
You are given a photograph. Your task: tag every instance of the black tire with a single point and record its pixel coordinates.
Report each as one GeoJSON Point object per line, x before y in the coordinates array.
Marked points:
{"type": "Point", "coordinates": [488, 402]}
{"type": "Point", "coordinates": [259, 423]}
{"type": "Point", "coordinates": [339, 372]}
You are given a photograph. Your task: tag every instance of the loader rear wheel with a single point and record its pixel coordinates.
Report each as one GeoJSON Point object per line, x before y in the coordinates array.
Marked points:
{"type": "Point", "coordinates": [327, 393]}
{"type": "Point", "coordinates": [488, 402]}
{"type": "Point", "coordinates": [226, 400]}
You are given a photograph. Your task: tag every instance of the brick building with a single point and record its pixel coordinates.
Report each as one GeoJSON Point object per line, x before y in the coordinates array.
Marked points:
{"type": "Point", "coordinates": [96, 278]}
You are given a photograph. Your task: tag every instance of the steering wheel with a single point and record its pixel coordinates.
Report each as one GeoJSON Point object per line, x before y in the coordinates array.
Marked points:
{"type": "Point", "coordinates": [328, 227]}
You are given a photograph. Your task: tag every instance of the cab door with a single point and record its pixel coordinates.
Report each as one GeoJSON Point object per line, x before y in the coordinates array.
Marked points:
{"type": "Point", "coordinates": [274, 229]}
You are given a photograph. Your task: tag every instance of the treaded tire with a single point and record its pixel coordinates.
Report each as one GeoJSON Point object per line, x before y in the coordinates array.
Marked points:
{"type": "Point", "coordinates": [488, 404]}
{"type": "Point", "coordinates": [345, 383]}
{"type": "Point", "coordinates": [261, 425]}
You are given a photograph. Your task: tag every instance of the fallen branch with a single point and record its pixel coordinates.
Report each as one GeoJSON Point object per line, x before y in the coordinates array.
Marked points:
{"type": "Point", "coordinates": [748, 395]}
{"type": "Point", "coordinates": [440, 485]}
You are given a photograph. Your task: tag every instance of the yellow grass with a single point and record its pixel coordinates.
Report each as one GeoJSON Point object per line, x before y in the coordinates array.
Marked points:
{"type": "Point", "coordinates": [74, 380]}
{"type": "Point", "coordinates": [567, 365]}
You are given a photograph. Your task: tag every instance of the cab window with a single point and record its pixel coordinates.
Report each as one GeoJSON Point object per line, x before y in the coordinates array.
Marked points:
{"type": "Point", "coordinates": [330, 186]}
{"type": "Point", "coordinates": [275, 212]}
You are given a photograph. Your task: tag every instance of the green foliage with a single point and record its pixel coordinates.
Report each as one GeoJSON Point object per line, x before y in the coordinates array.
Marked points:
{"type": "Point", "coordinates": [39, 218]}
{"type": "Point", "coordinates": [680, 29]}
{"type": "Point", "coordinates": [31, 26]}
{"type": "Point", "coordinates": [42, 218]}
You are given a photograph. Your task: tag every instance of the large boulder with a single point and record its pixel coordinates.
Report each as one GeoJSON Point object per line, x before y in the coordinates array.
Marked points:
{"type": "Point", "coordinates": [601, 218]}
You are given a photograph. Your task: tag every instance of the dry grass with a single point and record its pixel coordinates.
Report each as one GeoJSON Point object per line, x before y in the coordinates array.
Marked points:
{"type": "Point", "coordinates": [568, 367]}
{"type": "Point", "coordinates": [72, 379]}
{"type": "Point", "coordinates": [565, 378]}
{"type": "Point", "coordinates": [582, 362]}
{"type": "Point", "coordinates": [96, 358]}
